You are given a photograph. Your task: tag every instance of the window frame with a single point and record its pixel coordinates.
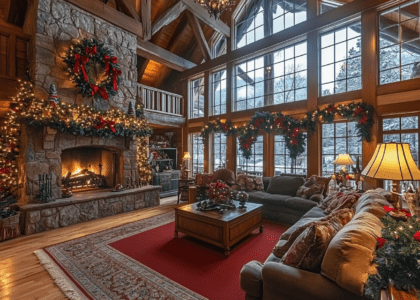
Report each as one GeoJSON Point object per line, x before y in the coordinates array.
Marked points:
{"type": "Point", "coordinates": [400, 131]}
{"type": "Point", "coordinates": [191, 96]}
{"type": "Point", "coordinates": [286, 154]}
{"type": "Point", "coordinates": [246, 165]}
{"type": "Point", "coordinates": [219, 144]}
{"type": "Point", "coordinates": [335, 154]}
{"type": "Point", "coordinates": [334, 63]}
{"type": "Point", "coordinates": [212, 104]}
{"type": "Point", "coordinates": [195, 161]}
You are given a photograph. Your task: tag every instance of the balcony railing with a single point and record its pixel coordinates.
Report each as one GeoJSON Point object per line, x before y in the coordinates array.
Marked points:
{"type": "Point", "coordinates": [156, 100]}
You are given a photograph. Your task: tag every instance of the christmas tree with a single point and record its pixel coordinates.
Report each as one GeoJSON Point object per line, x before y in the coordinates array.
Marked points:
{"type": "Point", "coordinates": [397, 258]}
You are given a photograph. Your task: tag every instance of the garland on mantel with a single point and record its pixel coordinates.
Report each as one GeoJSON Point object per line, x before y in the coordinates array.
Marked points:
{"type": "Point", "coordinates": [67, 118]}
{"type": "Point", "coordinates": [291, 128]}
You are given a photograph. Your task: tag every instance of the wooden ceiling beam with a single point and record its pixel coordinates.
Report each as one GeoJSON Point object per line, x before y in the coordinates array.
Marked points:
{"type": "Point", "coordinates": [203, 15]}
{"type": "Point", "coordinates": [129, 9]}
{"type": "Point", "coordinates": [163, 56]}
{"type": "Point", "coordinates": [168, 16]}
{"type": "Point", "coordinates": [101, 10]}
{"type": "Point", "coordinates": [199, 35]}
{"type": "Point", "coordinates": [146, 18]}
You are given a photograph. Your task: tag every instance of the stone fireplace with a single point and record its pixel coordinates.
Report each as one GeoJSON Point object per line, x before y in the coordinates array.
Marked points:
{"type": "Point", "coordinates": [90, 165]}
{"type": "Point", "coordinates": [49, 151]}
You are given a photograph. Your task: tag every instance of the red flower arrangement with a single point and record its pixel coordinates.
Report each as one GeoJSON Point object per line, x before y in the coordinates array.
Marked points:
{"type": "Point", "coordinates": [406, 212]}
{"type": "Point", "coordinates": [416, 236]}
{"type": "Point", "coordinates": [381, 242]}
{"type": "Point", "coordinates": [218, 192]}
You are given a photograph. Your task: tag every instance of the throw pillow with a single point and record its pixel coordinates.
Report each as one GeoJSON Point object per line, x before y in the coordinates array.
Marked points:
{"type": "Point", "coordinates": [343, 216]}
{"type": "Point", "coordinates": [327, 200]}
{"type": "Point", "coordinates": [324, 181]}
{"type": "Point", "coordinates": [259, 186]}
{"type": "Point", "coordinates": [241, 181]}
{"type": "Point", "coordinates": [284, 185]}
{"type": "Point", "coordinates": [250, 183]}
{"type": "Point", "coordinates": [345, 201]}
{"type": "Point", "coordinates": [317, 198]}
{"type": "Point", "coordinates": [308, 189]}
{"type": "Point", "coordinates": [309, 248]}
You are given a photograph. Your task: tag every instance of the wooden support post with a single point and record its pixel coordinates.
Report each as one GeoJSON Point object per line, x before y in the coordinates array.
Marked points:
{"type": "Point", "coordinates": [129, 9]}
{"type": "Point", "coordinates": [231, 139]}
{"type": "Point", "coordinates": [168, 17]}
{"type": "Point", "coordinates": [146, 18]}
{"type": "Point", "coordinates": [313, 142]}
{"type": "Point", "coordinates": [369, 79]}
{"type": "Point", "coordinates": [207, 95]}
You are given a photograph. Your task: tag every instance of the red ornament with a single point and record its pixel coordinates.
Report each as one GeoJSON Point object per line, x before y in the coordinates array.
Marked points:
{"type": "Point", "coordinates": [257, 124]}
{"type": "Point", "coordinates": [416, 236]}
{"type": "Point", "coordinates": [295, 133]}
{"type": "Point", "coordinates": [358, 110]}
{"type": "Point", "coordinates": [381, 242]}
{"type": "Point", "coordinates": [91, 51]}
{"type": "Point", "coordinates": [294, 142]}
{"type": "Point", "coordinates": [332, 108]}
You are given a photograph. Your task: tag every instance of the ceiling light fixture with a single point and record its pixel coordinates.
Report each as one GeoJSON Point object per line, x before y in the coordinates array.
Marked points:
{"type": "Point", "coordinates": [216, 7]}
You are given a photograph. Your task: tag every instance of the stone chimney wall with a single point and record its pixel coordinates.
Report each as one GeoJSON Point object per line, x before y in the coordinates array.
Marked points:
{"type": "Point", "coordinates": [56, 24]}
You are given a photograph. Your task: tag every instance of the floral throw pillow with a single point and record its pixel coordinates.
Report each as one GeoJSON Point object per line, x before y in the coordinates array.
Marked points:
{"type": "Point", "coordinates": [343, 216]}
{"type": "Point", "coordinates": [306, 191]}
{"type": "Point", "coordinates": [345, 201]}
{"type": "Point", "coordinates": [308, 250]}
{"type": "Point", "coordinates": [327, 200]}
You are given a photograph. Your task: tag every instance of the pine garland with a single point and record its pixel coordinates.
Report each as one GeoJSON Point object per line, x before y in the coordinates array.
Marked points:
{"type": "Point", "coordinates": [292, 128]}
{"type": "Point", "coordinates": [397, 258]}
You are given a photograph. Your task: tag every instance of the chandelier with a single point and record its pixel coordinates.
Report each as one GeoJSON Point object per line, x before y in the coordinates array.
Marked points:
{"type": "Point", "coordinates": [216, 7]}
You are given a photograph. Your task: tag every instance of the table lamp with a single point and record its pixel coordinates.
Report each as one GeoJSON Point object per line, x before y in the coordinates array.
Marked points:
{"type": "Point", "coordinates": [184, 167]}
{"type": "Point", "coordinates": [393, 161]}
{"type": "Point", "coordinates": [344, 160]}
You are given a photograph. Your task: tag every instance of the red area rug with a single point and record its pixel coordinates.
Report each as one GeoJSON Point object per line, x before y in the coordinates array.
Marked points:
{"type": "Point", "coordinates": [142, 260]}
{"type": "Point", "coordinates": [197, 265]}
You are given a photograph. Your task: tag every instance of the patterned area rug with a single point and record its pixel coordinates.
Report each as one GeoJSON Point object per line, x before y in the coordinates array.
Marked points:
{"type": "Point", "coordinates": [88, 268]}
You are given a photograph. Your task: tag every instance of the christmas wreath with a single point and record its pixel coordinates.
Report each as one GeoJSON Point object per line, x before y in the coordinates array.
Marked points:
{"type": "Point", "coordinates": [93, 68]}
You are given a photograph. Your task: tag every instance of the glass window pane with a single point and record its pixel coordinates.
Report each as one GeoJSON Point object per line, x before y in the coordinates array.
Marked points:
{"type": "Point", "coordinates": [391, 124]}
{"type": "Point", "coordinates": [409, 122]}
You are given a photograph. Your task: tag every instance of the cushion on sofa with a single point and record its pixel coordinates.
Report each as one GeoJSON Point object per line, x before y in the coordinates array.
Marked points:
{"type": "Point", "coordinates": [324, 181]}
{"type": "Point", "coordinates": [309, 188]}
{"type": "Point", "coordinates": [343, 216]}
{"type": "Point", "coordinates": [348, 260]}
{"type": "Point", "coordinates": [317, 198]}
{"type": "Point", "coordinates": [312, 215]}
{"type": "Point", "coordinates": [251, 278]}
{"type": "Point", "coordinates": [373, 202]}
{"type": "Point", "coordinates": [277, 200]}
{"type": "Point", "coordinates": [301, 204]}
{"type": "Point", "coordinates": [284, 185]}
{"type": "Point", "coordinates": [257, 196]}
{"type": "Point", "coordinates": [329, 198]}
{"type": "Point", "coordinates": [309, 248]}
{"type": "Point", "coordinates": [266, 181]}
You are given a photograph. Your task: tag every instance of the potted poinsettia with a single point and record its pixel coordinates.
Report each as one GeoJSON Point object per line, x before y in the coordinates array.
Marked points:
{"type": "Point", "coordinates": [397, 259]}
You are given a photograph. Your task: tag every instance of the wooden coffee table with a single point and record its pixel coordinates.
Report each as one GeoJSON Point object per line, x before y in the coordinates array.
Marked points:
{"type": "Point", "coordinates": [222, 230]}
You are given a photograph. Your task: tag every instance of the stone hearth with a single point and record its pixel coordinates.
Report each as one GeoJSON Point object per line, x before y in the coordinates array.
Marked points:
{"type": "Point", "coordinates": [85, 207]}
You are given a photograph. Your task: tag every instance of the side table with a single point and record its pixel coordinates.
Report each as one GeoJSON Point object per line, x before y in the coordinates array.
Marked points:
{"type": "Point", "coordinates": [183, 185]}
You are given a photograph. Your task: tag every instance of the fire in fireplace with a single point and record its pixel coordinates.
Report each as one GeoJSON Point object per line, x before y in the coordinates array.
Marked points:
{"type": "Point", "coordinates": [87, 168]}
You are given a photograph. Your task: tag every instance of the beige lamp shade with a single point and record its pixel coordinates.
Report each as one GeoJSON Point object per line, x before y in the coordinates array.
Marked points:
{"type": "Point", "coordinates": [187, 155]}
{"type": "Point", "coordinates": [392, 161]}
{"type": "Point", "coordinates": [343, 160]}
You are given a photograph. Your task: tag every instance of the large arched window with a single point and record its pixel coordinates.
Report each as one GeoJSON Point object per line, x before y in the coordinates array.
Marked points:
{"type": "Point", "coordinates": [261, 18]}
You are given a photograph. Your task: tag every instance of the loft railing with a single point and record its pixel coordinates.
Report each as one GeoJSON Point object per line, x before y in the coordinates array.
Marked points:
{"type": "Point", "coordinates": [156, 100]}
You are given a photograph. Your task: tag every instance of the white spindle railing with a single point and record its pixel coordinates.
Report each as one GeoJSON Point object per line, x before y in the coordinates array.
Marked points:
{"type": "Point", "coordinates": [160, 101]}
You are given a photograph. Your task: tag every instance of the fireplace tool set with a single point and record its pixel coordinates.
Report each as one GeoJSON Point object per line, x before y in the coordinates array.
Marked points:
{"type": "Point", "coordinates": [45, 188]}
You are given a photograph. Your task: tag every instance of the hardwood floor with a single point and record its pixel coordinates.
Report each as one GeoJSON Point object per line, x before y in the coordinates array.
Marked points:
{"type": "Point", "coordinates": [21, 274]}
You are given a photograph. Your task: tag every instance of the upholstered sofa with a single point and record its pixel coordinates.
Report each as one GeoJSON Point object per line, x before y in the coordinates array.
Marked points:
{"type": "Point", "coordinates": [345, 266]}
{"type": "Point", "coordinates": [281, 203]}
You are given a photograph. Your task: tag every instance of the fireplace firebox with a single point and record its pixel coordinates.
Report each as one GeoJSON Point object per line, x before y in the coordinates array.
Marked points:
{"type": "Point", "coordinates": [87, 168]}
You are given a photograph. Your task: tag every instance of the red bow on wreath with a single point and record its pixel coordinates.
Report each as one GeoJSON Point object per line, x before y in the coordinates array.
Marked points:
{"type": "Point", "coordinates": [81, 61]}
{"type": "Point", "coordinates": [108, 59]}
{"type": "Point", "coordinates": [115, 73]}
{"type": "Point", "coordinates": [363, 120]}
{"type": "Point", "coordinates": [91, 51]}
{"type": "Point", "coordinates": [103, 123]}
{"type": "Point", "coordinates": [101, 91]}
